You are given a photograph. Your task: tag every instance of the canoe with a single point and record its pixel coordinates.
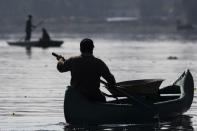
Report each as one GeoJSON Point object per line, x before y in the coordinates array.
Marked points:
{"type": "Point", "coordinates": [173, 101]}
{"type": "Point", "coordinates": [42, 44]}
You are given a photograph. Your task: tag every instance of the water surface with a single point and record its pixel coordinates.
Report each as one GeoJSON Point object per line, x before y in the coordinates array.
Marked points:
{"type": "Point", "coordinates": [32, 90]}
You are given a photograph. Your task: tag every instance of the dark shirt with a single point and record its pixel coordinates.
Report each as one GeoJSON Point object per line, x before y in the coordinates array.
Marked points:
{"type": "Point", "coordinates": [28, 25]}
{"type": "Point", "coordinates": [86, 71]}
{"type": "Point", "coordinates": [45, 36]}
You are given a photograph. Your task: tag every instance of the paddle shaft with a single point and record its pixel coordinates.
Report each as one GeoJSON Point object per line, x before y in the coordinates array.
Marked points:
{"type": "Point", "coordinates": [151, 108]}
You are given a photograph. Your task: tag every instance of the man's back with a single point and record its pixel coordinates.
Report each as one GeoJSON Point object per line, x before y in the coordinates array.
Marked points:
{"type": "Point", "coordinates": [86, 71]}
{"type": "Point", "coordinates": [45, 35]}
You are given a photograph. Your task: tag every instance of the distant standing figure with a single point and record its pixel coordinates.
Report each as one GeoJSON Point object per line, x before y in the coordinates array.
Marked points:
{"type": "Point", "coordinates": [28, 28]}
{"type": "Point", "coordinates": [45, 35]}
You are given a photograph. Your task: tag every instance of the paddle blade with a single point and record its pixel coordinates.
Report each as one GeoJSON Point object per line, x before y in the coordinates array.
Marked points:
{"type": "Point", "coordinates": [145, 87]}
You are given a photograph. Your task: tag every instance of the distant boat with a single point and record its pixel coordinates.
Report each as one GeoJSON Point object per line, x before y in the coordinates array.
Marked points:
{"type": "Point", "coordinates": [42, 44]}
{"type": "Point", "coordinates": [184, 26]}
{"type": "Point", "coordinates": [121, 19]}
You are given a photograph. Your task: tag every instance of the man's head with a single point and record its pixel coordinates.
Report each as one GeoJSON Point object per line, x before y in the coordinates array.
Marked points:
{"type": "Point", "coordinates": [43, 29]}
{"type": "Point", "coordinates": [86, 46]}
{"type": "Point", "coordinates": [29, 16]}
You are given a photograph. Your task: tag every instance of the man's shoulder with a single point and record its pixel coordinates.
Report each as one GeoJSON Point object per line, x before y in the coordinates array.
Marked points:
{"type": "Point", "coordinates": [99, 60]}
{"type": "Point", "coordinates": [74, 58]}
{"type": "Point", "coordinates": [95, 59]}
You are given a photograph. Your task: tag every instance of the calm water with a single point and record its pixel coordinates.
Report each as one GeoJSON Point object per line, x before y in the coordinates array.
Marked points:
{"type": "Point", "coordinates": [32, 91]}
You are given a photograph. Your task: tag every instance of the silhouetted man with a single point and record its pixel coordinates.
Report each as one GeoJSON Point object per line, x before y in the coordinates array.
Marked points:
{"type": "Point", "coordinates": [86, 71]}
{"type": "Point", "coordinates": [45, 35]}
{"type": "Point", "coordinates": [28, 28]}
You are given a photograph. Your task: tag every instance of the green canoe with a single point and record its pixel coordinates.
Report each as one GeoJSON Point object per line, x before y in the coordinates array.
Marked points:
{"type": "Point", "coordinates": [172, 101]}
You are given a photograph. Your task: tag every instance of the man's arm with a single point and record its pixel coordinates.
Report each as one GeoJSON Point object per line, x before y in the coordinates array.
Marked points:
{"type": "Point", "coordinates": [60, 65]}
{"type": "Point", "coordinates": [108, 76]}
{"type": "Point", "coordinates": [64, 65]}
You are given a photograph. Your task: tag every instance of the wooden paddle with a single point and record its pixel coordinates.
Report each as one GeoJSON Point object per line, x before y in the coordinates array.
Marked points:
{"type": "Point", "coordinates": [141, 87]}
{"type": "Point", "coordinates": [138, 101]}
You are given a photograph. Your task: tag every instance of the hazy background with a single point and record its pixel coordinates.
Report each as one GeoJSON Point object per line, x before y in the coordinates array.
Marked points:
{"type": "Point", "coordinates": [136, 39]}
{"type": "Point", "coordinates": [98, 16]}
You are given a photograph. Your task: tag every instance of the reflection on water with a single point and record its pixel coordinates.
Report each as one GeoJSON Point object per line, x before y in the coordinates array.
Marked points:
{"type": "Point", "coordinates": [185, 123]}
{"type": "Point", "coordinates": [182, 123]}
{"type": "Point", "coordinates": [32, 91]}
{"type": "Point", "coordinates": [28, 51]}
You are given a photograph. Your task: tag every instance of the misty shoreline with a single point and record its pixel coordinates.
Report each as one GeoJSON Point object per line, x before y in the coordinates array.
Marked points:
{"type": "Point", "coordinates": [110, 36]}
{"type": "Point", "coordinates": [122, 30]}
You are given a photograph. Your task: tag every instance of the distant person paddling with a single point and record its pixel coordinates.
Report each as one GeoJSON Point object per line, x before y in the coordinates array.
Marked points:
{"type": "Point", "coordinates": [28, 28]}
{"type": "Point", "coordinates": [86, 71]}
